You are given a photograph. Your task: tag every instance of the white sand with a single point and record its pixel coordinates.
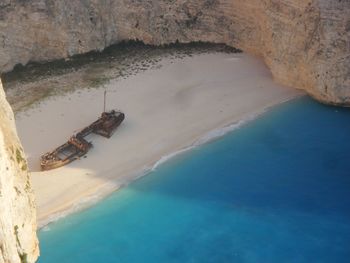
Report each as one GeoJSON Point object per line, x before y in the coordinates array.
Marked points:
{"type": "Point", "coordinates": [166, 109]}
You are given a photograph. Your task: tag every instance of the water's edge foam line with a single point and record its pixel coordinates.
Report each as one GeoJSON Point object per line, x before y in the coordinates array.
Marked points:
{"type": "Point", "coordinates": [112, 186]}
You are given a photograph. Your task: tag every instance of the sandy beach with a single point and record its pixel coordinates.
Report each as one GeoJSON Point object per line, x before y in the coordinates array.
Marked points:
{"type": "Point", "coordinates": [167, 109]}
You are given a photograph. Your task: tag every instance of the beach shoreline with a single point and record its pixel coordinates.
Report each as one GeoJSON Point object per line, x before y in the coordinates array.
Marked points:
{"type": "Point", "coordinates": [95, 195]}
{"type": "Point", "coordinates": [169, 109]}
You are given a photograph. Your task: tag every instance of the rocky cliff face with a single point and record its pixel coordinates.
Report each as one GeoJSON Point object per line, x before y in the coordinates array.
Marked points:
{"type": "Point", "coordinates": [18, 242]}
{"type": "Point", "coordinates": [304, 42]}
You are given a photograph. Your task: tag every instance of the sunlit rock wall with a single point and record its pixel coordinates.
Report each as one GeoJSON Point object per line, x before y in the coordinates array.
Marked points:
{"type": "Point", "coordinates": [304, 42]}
{"type": "Point", "coordinates": [18, 241]}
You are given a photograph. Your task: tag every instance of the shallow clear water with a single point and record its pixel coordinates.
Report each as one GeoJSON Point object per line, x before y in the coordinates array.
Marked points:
{"type": "Point", "coordinates": [275, 190]}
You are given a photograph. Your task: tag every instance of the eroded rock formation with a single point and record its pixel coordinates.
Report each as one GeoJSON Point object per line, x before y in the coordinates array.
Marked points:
{"type": "Point", "coordinates": [306, 43]}
{"type": "Point", "coordinates": [18, 242]}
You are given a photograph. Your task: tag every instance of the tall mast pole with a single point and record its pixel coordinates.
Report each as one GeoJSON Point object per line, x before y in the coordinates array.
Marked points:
{"type": "Point", "coordinates": [104, 101]}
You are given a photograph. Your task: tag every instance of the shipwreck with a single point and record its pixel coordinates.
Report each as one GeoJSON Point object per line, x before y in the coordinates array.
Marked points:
{"type": "Point", "coordinates": [77, 145]}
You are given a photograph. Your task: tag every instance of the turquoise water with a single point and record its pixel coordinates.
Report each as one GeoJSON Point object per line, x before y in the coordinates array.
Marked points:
{"type": "Point", "coordinates": [275, 190]}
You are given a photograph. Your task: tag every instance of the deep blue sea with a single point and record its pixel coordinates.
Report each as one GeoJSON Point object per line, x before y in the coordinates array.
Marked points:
{"type": "Point", "coordinates": [275, 190]}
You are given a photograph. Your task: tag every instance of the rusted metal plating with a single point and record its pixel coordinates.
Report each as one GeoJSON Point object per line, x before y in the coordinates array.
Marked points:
{"type": "Point", "coordinates": [77, 146]}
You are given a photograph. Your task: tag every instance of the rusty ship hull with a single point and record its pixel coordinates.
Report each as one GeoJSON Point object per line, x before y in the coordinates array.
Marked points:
{"type": "Point", "coordinates": [77, 146]}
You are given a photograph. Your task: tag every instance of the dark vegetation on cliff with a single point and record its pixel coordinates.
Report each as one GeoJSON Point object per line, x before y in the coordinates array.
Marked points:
{"type": "Point", "coordinates": [26, 85]}
{"type": "Point", "coordinates": [125, 53]}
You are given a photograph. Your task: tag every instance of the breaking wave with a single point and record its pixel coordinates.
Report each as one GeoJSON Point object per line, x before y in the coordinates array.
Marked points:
{"type": "Point", "coordinates": [208, 137]}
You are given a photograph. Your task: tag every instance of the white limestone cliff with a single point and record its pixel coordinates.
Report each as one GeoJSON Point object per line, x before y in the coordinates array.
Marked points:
{"type": "Point", "coordinates": [18, 241]}
{"type": "Point", "coordinates": [305, 43]}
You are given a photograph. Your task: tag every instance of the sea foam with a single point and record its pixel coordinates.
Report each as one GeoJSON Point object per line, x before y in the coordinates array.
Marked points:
{"type": "Point", "coordinates": [117, 184]}
{"type": "Point", "coordinates": [208, 137]}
